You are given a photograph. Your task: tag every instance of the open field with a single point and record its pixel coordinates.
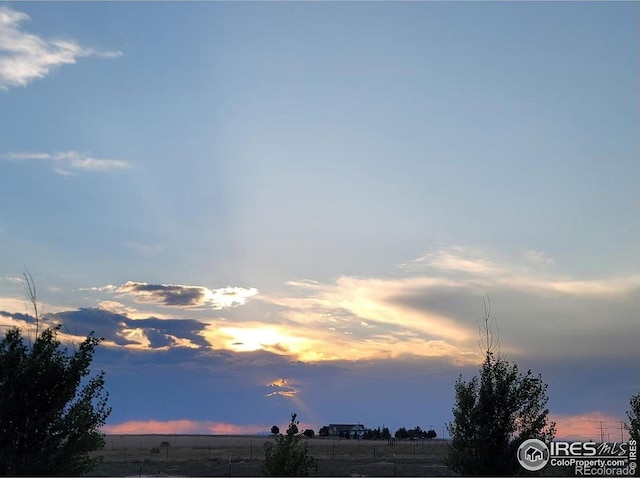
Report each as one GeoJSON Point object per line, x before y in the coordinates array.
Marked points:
{"type": "Point", "coordinates": [206, 455]}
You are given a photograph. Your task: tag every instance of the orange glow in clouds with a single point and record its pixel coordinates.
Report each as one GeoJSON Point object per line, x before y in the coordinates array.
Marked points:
{"type": "Point", "coordinates": [586, 426]}
{"type": "Point", "coordinates": [145, 427]}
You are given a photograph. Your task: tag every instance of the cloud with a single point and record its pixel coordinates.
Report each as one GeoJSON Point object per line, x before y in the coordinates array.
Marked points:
{"type": "Point", "coordinates": [119, 330]}
{"type": "Point", "coordinates": [183, 427]}
{"type": "Point", "coordinates": [361, 320]}
{"type": "Point", "coordinates": [434, 307]}
{"type": "Point", "coordinates": [116, 307]}
{"type": "Point", "coordinates": [25, 57]}
{"type": "Point", "coordinates": [530, 270]}
{"type": "Point", "coordinates": [169, 295]}
{"type": "Point", "coordinates": [13, 280]}
{"type": "Point", "coordinates": [455, 259]}
{"type": "Point", "coordinates": [172, 295]}
{"type": "Point", "coordinates": [17, 316]}
{"type": "Point", "coordinates": [69, 162]}
{"type": "Point", "coordinates": [283, 374]}
{"type": "Point", "coordinates": [281, 387]}
{"type": "Point", "coordinates": [428, 312]}
{"type": "Point", "coordinates": [303, 344]}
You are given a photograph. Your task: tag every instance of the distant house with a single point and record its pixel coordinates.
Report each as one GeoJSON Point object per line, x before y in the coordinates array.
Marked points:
{"type": "Point", "coordinates": [346, 430]}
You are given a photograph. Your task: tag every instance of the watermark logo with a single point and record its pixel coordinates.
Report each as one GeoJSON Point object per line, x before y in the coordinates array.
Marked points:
{"type": "Point", "coordinates": [586, 458]}
{"type": "Point", "coordinates": [533, 454]}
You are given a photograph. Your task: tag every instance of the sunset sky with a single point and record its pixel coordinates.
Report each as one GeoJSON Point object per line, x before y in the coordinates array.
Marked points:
{"type": "Point", "coordinates": [276, 207]}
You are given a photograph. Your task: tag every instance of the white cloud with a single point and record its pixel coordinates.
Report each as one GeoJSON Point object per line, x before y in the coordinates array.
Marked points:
{"type": "Point", "coordinates": [116, 307]}
{"type": "Point", "coordinates": [106, 288]}
{"type": "Point", "coordinates": [25, 57]}
{"type": "Point", "coordinates": [13, 279]}
{"type": "Point", "coordinates": [227, 297]}
{"type": "Point", "coordinates": [456, 259]}
{"type": "Point", "coordinates": [66, 162]}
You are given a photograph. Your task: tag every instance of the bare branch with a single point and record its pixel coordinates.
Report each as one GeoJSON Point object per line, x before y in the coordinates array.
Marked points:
{"type": "Point", "coordinates": [488, 331]}
{"type": "Point", "coordinates": [30, 291]}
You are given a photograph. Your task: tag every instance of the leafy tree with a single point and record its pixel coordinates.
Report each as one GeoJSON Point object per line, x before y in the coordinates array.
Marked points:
{"type": "Point", "coordinates": [494, 414]}
{"type": "Point", "coordinates": [275, 430]}
{"type": "Point", "coordinates": [373, 434]}
{"type": "Point", "coordinates": [386, 434]}
{"type": "Point", "coordinates": [634, 418]}
{"type": "Point", "coordinates": [309, 433]}
{"type": "Point", "coordinates": [49, 422]}
{"type": "Point", "coordinates": [50, 411]}
{"type": "Point", "coordinates": [289, 457]}
{"type": "Point", "coordinates": [324, 431]}
{"type": "Point", "coordinates": [431, 434]}
{"type": "Point", "coordinates": [401, 433]}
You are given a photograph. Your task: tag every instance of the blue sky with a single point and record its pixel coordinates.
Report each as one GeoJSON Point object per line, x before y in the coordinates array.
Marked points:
{"type": "Point", "coordinates": [299, 206]}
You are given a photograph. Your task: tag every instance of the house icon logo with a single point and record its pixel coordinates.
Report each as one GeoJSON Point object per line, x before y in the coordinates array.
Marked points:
{"type": "Point", "coordinates": [533, 454]}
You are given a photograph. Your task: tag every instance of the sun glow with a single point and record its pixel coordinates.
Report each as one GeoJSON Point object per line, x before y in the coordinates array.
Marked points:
{"type": "Point", "coordinates": [314, 344]}
{"type": "Point", "coordinates": [248, 340]}
{"type": "Point", "coordinates": [253, 336]}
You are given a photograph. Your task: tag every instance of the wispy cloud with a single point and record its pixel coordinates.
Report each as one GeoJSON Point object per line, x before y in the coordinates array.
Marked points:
{"type": "Point", "coordinates": [173, 295]}
{"type": "Point", "coordinates": [25, 57]}
{"type": "Point", "coordinates": [434, 308]}
{"type": "Point", "coordinates": [69, 162]}
{"type": "Point", "coordinates": [455, 259]}
{"type": "Point", "coordinates": [530, 270]}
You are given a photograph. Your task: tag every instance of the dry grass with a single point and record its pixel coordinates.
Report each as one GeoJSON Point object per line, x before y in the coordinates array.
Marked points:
{"type": "Point", "coordinates": [204, 455]}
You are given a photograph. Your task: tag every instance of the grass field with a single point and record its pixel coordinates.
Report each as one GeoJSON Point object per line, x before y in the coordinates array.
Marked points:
{"type": "Point", "coordinates": [206, 455]}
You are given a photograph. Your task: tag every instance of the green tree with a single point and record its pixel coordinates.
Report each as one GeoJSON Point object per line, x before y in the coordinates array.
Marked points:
{"type": "Point", "coordinates": [51, 411]}
{"type": "Point", "coordinates": [289, 457]}
{"type": "Point", "coordinates": [495, 413]}
{"type": "Point", "coordinates": [275, 430]}
{"type": "Point", "coordinates": [634, 418]}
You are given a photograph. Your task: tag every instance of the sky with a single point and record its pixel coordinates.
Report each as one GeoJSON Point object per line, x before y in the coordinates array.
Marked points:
{"type": "Point", "coordinates": [276, 207]}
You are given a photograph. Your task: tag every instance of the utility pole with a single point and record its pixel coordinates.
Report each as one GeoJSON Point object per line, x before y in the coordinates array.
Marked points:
{"type": "Point", "coordinates": [621, 427]}
{"type": "Point", "coordinates": [602, 429]}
